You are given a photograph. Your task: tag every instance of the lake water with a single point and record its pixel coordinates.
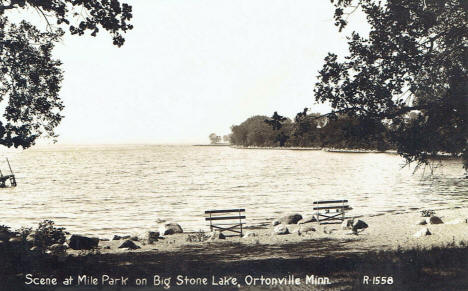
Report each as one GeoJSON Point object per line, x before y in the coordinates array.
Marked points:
{"type": "Point", "coordinates": [106, 190]}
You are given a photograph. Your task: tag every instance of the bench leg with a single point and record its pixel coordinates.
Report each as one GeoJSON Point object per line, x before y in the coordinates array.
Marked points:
{"type": "Point", "coordinates": [240, 223]}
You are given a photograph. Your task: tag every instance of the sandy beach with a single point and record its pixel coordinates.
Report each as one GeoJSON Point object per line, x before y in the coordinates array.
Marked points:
{"type": "Point", "coordinates": [388, 247]}
{"type": "Point", "coordinates": [386, 232]}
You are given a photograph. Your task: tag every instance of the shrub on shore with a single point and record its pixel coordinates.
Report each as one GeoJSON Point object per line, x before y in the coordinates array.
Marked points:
{"type": "Point", "coordinates": [44, 236]}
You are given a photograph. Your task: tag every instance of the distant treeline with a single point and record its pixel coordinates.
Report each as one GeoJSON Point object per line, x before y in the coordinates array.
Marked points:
{"type": "Point", "coordinates": [311, 130]}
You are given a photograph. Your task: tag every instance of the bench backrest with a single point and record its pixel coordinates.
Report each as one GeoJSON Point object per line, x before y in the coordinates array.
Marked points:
{"type": "Point", "coordinates": [226, 219]}
{"type": "Point", "coordinates": [331, 204]}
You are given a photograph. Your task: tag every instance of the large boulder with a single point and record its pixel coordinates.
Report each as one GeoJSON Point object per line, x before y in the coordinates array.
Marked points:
{"type": "Point", "coordinates": [422, 232]}
{"type": "Point", "coordinates": [129, 244]}
{"type": "Point", "coordinates": [290, 219]}
{"type": "Point", "coordinates": [280, 229]}
{"type": "Point", "coordinates": [170, 228]}
{"type": "Point", "coordinates": [307, 219]}
{"type": "Point", "coordinates": [434, 220]}
{"type": "Point", "coordinates": [5, 235]}
{"type": "Point", "coordinates": [359, 224]}
{"type": "Point", "coordinates": [79, 242]}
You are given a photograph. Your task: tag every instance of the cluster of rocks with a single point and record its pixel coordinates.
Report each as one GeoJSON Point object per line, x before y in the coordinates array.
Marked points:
{"type": "Point", "coordinates": [81, 242]}
{"type": "Point", "coordinates": [355, 225]}
{"type": "Point", "coordinates": [433, 219]}
{"type": "Point", "coordinates": [59, 248]}
{"type": "Point", "coordinates": [151, 237]}
{"type": "Point", "coordinates": [280, 225]}
{"type": "Point", "coordinates": [218, 235]}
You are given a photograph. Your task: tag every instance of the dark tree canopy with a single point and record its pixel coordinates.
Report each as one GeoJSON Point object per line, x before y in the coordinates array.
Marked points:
{"type": "Point", "coordinates": [30, 78]}
{"type": "Point", "coordinates": [312, 130]}
{"type": "Point", "coordinates": [413, 61]}
{"type": "Point", "coordinates": [276, 122]}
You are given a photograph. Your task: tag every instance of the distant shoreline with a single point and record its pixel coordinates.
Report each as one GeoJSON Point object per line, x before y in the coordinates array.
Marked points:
{"type": "Point", "coordinates": [302, 149]}
{"type": "Point", "coordinates": [212, 145]}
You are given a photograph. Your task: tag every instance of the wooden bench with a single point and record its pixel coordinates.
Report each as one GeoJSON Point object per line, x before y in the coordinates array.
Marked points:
{"type": "Point", "coordinates": [331, 211]}
{"type": "Point", "coordinates": [218, 220]}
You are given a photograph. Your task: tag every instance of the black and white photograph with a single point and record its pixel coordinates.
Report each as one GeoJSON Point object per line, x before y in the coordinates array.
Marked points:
{"type": "Point", "coordinates": [233, 145]}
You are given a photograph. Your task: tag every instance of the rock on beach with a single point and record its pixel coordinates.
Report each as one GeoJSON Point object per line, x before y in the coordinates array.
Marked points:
{"type": "Point", "coordinates": [359, 224]}
{"type": "Point", "coordinates": [250, 234]}
{"type": "Point", "coordinates": [170, 228]}
{"type": "Point", "coordinates": [118, 237]}
{"type": "Point", "coordinates": [129, 244]}
{"type": "Point", "coordinates": [434, 220]}
{"type": "Point", "coordinates": [304, 229]}
{"type": "Point", "coordinates": [422, 222]}
{"type": "Point", "coordinates": [58, 248]}
{"type": "Point", "coordinates": [290, 219]}
{"type": "Point", "coordinates": [15, 240]}
{"type": "Point", "coordinates": [79, 242]}
{"type": "Point", "coordinates": [280, 229]}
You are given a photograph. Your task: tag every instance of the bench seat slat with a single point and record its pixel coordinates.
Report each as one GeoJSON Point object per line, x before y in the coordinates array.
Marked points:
{"type": "Point", "coordinates": [224, 211]}
{"type": "Point", "coordinates": [224, 217]}
{"type": "Point", "coordinates": [330, 201]}
{"type": "Point", "coordinates": [345, 207]}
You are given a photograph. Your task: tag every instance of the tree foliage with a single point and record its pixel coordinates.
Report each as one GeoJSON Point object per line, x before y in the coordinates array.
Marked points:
{"type": "Point", "coordinates": [214, 138]}
{"type": "Point", "coordinates": [276, 122]}
{"type": "Point", "coordinates": [312, 130]}
{"type": "Point", "coordinates": [30, 78]}
{"type": "Point", "coordinates": [413, 61]}
{"type": "Point", "coordinates": [253, 132]}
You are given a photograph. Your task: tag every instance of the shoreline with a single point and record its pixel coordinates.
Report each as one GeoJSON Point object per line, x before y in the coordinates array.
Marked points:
{"type": "Point", "coordinates": [386, 231]}
{"type": "Point", "coordinates": [441, 155]}
{"type": "Point", "coordinates": [388, 247]}
{"type": "Point", "coordinates": [326, 149]}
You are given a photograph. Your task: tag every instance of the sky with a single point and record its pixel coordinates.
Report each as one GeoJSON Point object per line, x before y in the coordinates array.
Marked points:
{"type": "Point", "coordinates": [191, 68]}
